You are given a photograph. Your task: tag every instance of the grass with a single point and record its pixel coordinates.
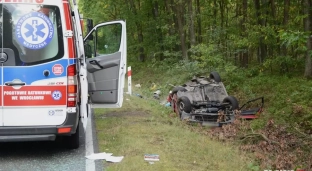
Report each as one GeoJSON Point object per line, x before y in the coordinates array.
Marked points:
{"type": "Point", "coordinates": [145, 127]}
{"type": "Point", "coordinates": [282, 96]}
{"type": "Point", "coordinates": [286, 96]}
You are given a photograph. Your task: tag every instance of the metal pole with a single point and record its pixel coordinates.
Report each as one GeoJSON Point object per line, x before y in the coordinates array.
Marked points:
{"type": "Point", "coordinates": [129, 81]}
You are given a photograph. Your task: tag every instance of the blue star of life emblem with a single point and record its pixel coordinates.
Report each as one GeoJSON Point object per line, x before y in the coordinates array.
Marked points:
{"type": "Point", "coordinates": [34, 30]}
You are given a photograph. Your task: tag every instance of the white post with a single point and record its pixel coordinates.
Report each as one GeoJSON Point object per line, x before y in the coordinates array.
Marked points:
{"type": "Point", "coordinates": [129, 81]}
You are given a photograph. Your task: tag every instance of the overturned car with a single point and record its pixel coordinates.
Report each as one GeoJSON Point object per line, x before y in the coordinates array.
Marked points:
{"type": "Point", "coordinates": [206, 101]}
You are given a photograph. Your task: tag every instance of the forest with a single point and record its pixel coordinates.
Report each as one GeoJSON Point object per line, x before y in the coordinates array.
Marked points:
{"type": "Point", "coordinates": [271, 35]}
{"type": "Point", "coordinates": [260, 47]}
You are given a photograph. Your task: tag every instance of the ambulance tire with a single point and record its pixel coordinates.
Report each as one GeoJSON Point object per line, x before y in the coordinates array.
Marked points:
{"type": "Point", "coordinates": [72, 142]}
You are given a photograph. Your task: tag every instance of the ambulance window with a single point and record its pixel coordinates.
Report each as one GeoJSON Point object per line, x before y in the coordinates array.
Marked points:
{"type": "Point", "coordinates": [108, 39]}
{"type": "Point", "coordinates": [33, 32]}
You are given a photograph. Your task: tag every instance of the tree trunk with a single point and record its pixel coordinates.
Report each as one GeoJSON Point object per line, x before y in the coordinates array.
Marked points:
{"type": "Point", "coordinates": [284, 67]}
{"type": "Point", "coordinates": [178, 9]}
{"type": "Point", "coordinates": [215, 13]}
{"type": "Point", "coordinates": [244, 62]}
{"type": "Point", "coordinates": [238, 56]}
{"type": "Point", "coordinates": [285, 22]}
{"type": "Point", "coordinates": [222, 39]}
{"type": "Point", "coordinates": [159, 33]}
{"type": "Point", "coordinates": [261, 22]}
{"type": "Point", "coordinates": [307, 28]}
{"type": "Point", "coordinates": [173, 6]}
{"type": "Point", "coordinates": [273, 46]}
{"type": "Point", "coordinates": [139, 32]}
{"type": "Point", "coordinates": [170, 22]}
{"type": "Point", "coordinates": [221, 5]}
{"type": "Point", "coordinates": [192, 29]}
{"type": "Point", "coordinates": [198, 16]}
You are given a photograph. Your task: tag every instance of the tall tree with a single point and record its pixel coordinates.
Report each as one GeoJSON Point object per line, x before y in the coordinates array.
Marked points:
{"type": "Point", "coordinates": [155, 12]}
{"type": "Point", "coordinates": [191, 22]}
{"type": "Point", "coordinates": [261, 23]}
{"type": "Point", "coordinates": [244, 53]}
{"type": "Point", "coordinates": [179, 9]}
{"type": "Point", "coordinates": [284, 66]}
{"type": "Point", "coordinates": [135, 8]}
{"type": "Point", "coordinates": [307, 28]}
{"type": "Point", "coordinates": [199, 24]}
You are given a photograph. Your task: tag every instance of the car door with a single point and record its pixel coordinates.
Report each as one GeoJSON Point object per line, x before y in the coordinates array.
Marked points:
{"type": "Point", "coordinates": [33, 66]}
{"type": "Point", "coordinates": [106, 52]}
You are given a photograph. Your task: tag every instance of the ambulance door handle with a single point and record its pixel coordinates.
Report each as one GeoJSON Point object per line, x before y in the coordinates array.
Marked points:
{"type": "Point", "coordinates": [95, 62]}
{"type": "Point", "coordinates": [15, 84]}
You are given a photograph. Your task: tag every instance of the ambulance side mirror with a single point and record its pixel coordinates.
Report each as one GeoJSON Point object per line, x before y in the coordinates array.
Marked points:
{"type": "Point", "coordinates": [90, 37]}
{"type": "Point", "coordinates": [89, 25]}
{"type": "Point", "coordinates": [89, 28]}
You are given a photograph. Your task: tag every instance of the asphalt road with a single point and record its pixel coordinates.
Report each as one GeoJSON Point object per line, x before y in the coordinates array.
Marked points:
{"type": "Point", "coordinates": [50, 156]}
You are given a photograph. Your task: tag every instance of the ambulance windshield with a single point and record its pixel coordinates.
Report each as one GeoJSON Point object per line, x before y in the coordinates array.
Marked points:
{"type": "Point", "coordinates": [32, 32]}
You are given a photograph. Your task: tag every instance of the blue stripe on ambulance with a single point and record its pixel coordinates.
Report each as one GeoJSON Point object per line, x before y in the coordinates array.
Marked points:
{"type": "Point", "coordinates": [29, 74]}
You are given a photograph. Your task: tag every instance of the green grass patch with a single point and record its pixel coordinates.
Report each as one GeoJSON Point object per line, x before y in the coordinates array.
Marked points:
{"type": "Point", "coordinates": [145, 127]}
{"type": "Point", "coordinates": [287, 97]}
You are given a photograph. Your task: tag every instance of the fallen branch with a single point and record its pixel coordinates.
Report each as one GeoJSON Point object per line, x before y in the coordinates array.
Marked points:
{"type": "Point", "coordinates": [306, 136]}
{"type": "Point", "coordinates": [258, 135]}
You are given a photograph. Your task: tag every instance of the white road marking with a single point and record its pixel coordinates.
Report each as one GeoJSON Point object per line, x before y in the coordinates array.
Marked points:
{"type": "Point", "coordinates": [90, 164]}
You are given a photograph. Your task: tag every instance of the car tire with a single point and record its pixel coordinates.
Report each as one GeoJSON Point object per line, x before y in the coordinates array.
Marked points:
{"type": "Point", "coordinates": [174, 98]}
{"type": "Point", "coordinates": [215, 76]}
{"type": "Point", "coordinates": [176, 89]}
{"type": "Point", "coordinates": [184, 104]}
{"type": "Point", "coordinates": [232, 101]}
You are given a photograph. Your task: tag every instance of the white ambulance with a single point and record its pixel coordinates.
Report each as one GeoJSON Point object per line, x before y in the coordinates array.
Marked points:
{"type": "Point", "coordinates": [49, 70]}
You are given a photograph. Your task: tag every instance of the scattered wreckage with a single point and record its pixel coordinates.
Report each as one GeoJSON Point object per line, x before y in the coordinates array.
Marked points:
{"type": "Point", "coordinates": [206, 101]}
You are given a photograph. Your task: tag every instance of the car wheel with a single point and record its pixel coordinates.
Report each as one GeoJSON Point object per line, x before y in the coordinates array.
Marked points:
{"type": "Point", "coordinates": [232, 101]}
{"type": "Point", "coordinates": [184, 104]}
{"type": "Point", "coordinates": [174, 98]}
{"type": "Point", "coordinates": [215, 76]}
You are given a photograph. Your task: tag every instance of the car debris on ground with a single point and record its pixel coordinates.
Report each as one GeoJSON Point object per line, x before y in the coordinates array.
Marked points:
{"type": "Point", "coordinates": [151, 158]}
{"type": "Point", "coordinates": [105, 156]}
{"type": "Point", "coordinates": [138, 86]}
{"type": "Point", "coordinates": [157, 94]}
